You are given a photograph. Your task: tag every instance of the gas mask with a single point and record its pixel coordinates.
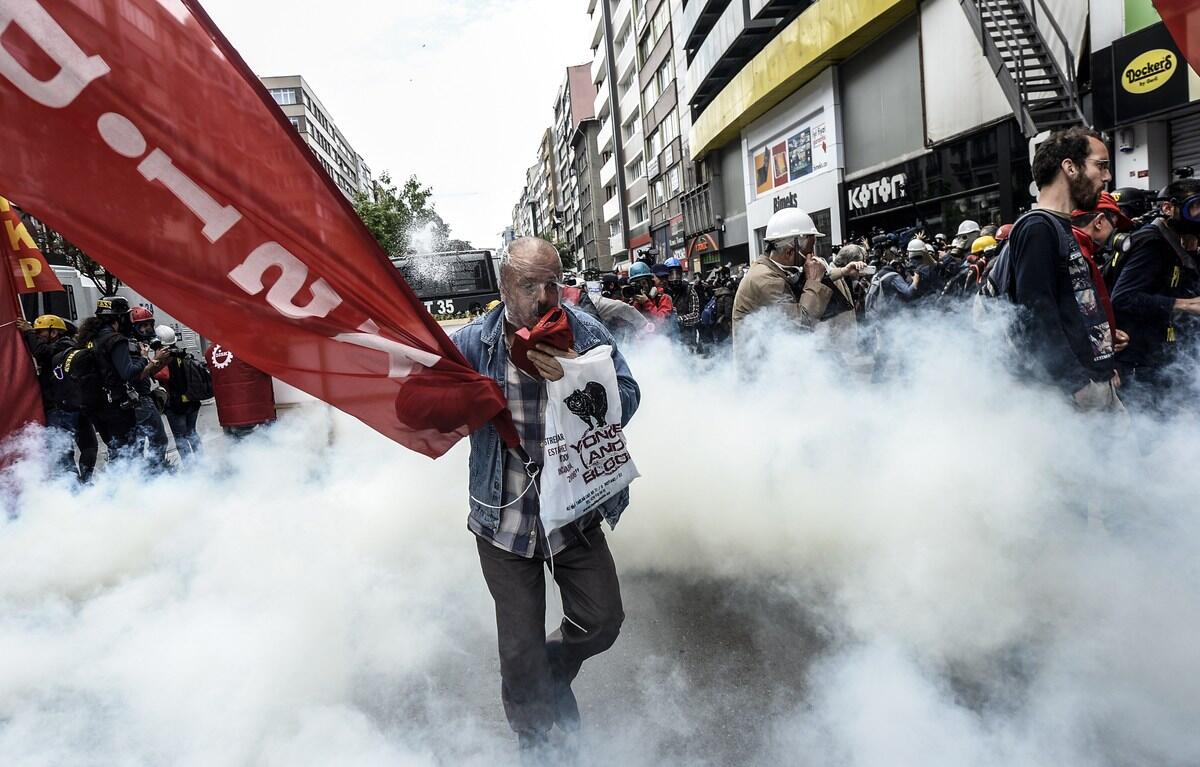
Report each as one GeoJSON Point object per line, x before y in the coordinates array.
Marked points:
{"type": "Point", "coordinates": [1188, 219]}
{"type": "Point", "coordinates": [654, 292]}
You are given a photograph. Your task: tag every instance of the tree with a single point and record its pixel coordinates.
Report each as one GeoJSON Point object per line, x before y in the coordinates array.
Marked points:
{"type": "Point", "coordinates": [567, 253]}
{"type": "Point", "coordinates": [391, 213]}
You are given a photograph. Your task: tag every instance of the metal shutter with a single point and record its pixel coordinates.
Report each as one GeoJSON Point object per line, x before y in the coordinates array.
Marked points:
{"type": "Point", "coordinates": [1185, 142]}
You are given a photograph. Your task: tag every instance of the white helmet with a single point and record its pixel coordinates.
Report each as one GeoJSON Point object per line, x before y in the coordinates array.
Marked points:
{"type": "Point", "coordinates": [916, 245]}
{"type": "Point", "coordinates": [788, 223]}
{"type": "Point", "coordinates": [166, 335]}
{"type": "Point", "coordinates": [967, 227]}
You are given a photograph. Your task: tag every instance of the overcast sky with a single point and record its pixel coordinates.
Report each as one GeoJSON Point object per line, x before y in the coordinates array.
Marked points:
{"type": "Point", "coordinates": [457, 92]}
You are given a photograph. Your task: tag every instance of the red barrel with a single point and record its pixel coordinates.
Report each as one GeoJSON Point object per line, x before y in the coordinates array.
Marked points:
{"type": "Point", "coordinates": [245, 395]}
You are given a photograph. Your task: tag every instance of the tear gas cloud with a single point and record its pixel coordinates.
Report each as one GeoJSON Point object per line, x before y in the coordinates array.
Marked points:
{"type": "Point", "coordinates": [944, 568]}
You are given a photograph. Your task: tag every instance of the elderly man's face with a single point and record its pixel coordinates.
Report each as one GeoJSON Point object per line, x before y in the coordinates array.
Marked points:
{"type": "Point", "coordinates": [530, 283]}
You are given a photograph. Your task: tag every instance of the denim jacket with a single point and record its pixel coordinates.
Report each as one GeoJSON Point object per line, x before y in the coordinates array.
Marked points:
{"type": "Point", "coordinates": [482, 343]}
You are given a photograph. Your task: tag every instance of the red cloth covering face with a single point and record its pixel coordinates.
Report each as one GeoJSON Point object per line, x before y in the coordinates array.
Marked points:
{"type": "Point", "coordinates": [552, 329]}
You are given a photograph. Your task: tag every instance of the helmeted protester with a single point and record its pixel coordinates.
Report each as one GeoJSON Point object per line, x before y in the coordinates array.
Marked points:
{"type": "Point", "coordinates": [1156, 292]}
{"type": "Point", "coordinates": [537, 671]}
{"type": "Point", "coordinates": [1066, 333]}
{"type": "Point", "coordinates": [50, 341]}
{"type": "Point", "coordinates": [968, 232]}
{"type": "Point", "coordinates": [151, 402]}
{"type": "Point", "coordinates": [651, 298]}
{"type": "Point", "coordinates": [789, 277]}
{"type": "Point", "coordinates": [113, 374]}
{"type": "Point", "coordinates": [1095, 231]}
{"type": "Point", "coordinates": [188, 384]}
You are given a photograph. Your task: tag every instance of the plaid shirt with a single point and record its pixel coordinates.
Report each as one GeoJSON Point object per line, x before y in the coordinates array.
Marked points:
{"type": "Point", "coordinates": [520, 530]}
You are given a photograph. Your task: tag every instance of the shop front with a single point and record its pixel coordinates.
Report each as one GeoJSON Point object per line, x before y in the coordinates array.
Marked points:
{"type": "Point", "coordinates": [984, 177]}
{"type": "Point", "coordinates": [703, 252]}
{"type": "Point", "coordinates": [1148, 99]}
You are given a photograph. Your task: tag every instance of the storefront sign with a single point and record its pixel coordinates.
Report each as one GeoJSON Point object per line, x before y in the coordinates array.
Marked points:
{"type": "Point", "coordinates": [1151, 74]}
{"type": "Point", "coordinates": [870, 194]}
{"type": "Point", "coordinates": [703, 245]}
{"type": "Point", "coordinates": [786, 201]}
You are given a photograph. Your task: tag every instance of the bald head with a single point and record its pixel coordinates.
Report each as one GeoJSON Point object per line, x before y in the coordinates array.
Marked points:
{"type": "Point", "coordinates": [529, 275]}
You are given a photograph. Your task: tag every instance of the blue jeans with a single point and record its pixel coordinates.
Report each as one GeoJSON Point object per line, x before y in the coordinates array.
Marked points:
{"type": "Point", "coordinates": [183, 426]}
{"type": "Point", "coordinates": [150, 428]}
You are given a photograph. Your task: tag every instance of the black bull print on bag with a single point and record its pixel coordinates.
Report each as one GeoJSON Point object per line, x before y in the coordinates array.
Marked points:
{"type": "Point", "coordinates": [590, 402]}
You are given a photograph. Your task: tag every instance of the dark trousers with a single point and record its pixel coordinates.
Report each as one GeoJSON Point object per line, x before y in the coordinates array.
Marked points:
{"type": "Point", "coordinates": [67, 422]}
{"type": "Point", "coordinates": [536, 670]}
{"type": "Point", "coordinates": [183, 427]}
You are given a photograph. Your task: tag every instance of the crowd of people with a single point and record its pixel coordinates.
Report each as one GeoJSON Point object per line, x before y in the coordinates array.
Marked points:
{"type": "Point", "coordinates": [1107, 282]}
{"type": "Point", "coordinates": [118, 376]}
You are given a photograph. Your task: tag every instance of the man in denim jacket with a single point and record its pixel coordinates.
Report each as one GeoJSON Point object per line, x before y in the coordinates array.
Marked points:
{"type": "Point", "coordinates": [536, 671]}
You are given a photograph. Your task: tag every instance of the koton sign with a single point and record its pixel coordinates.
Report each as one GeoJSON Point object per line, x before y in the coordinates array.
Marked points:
{"type": "Point", "coordinates": [229, 224]}
{"type": "Point", "coordinates": [862, 197]}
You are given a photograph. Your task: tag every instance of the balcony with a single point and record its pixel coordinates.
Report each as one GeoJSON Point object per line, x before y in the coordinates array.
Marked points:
{"type": "Point", "coordinates": [616, 246]}
{"type": "Point", "coordinates": [631, 104]}
{"type": "Point", "coordinates": [608, 171]}
{"type": "Point", "coordinates": [626, 58]}
{"type": "Point", "coordinates": [699, 16]}
{"type": "Point", "coordinates": [622, 19]}
{"type": "Point", "coordinates": [597, 15]}
{"type": "Point", "coordinates": [633, 147]}
{"type": "Point", "coordinates": [732, 42]}
{"type": "Point", "coordinates": [600, 106]}
{"type": "Point", "coordinates": [600, 65]}
{"type": "Point", "coordinates": [612, 209]}
{"type": "Point", "coordinates": [604, 139]}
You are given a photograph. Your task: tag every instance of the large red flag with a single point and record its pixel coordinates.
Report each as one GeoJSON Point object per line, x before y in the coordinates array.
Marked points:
{"type": "Point", "coordinates": [136, 131]}
{"type": "Point", "coordinates": [20, 397]}
{"type": "Point", "coordinates": [31, 273]}
{"type": "Point", "coordinates": [1182, 18]}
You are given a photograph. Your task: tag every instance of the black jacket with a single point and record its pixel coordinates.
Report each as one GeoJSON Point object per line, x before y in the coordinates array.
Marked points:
{"type": "Point", "coordinates": [43, 353]}
{"type": "Point", "coordinates": [1065, 328]}
{"type": "Point", "coordinates": [1156, 271]}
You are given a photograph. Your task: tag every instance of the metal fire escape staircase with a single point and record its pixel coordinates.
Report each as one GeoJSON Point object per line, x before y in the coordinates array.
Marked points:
{"type": "Point", "coordinates": [1042, 96]}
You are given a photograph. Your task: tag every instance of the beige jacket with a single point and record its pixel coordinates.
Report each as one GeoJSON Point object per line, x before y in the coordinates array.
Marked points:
{"type": "Point", "coordinates": [765, 285]}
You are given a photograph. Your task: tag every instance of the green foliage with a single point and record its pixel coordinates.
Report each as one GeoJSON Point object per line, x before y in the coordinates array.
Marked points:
{"type": "Point", "coordinates": [391, 213]}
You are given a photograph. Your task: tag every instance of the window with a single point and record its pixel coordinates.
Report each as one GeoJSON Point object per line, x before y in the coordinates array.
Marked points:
{"type": "Point", "coordinates": [284, 96]}
{"type": "Point", "coordinates": [664, 75]}
{"type": "Point", "coordinates": [659, 192]}
{"type": "Point", "coordinates": [656, 142]}
{"type": "Point", "coordinates": [673, 180]}
{"type": "Point", "coordinates": [669, 127]}
{"type": "Point", "coordinates": [644, 48]}
{"type": "Point", "coordinates": [638, 169]}
{"type": "Point", "coordinates": [640, 212]}
{"type": "Point", "coordinates": [658, 24]}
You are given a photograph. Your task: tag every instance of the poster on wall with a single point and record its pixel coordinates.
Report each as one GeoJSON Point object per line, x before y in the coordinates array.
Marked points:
{"type": "Point", "coordinates": [762, 170]}
{"type": "Point", "coordinates": [779, 158]}
{"type": "Point", "coordinates": [820, 148]}
{"type": "Point", "coordinates": [800, 154]}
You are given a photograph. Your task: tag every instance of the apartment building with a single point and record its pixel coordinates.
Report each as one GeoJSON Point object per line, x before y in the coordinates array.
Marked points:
{"type": "Point", "coordinates": [312, 120]}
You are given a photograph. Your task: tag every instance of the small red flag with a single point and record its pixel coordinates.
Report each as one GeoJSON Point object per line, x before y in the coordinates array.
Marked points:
{"type": "Point", "coordinates": [31, 273]}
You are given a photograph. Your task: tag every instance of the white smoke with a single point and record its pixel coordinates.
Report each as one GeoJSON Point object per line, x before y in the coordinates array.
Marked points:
{"type": "Point", "coordinates": [946, 567]}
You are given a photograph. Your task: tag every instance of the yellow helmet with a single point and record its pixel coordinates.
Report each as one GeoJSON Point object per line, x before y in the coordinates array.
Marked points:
{"type": "Point", "coordinates": [49, 322]}
{"type": "Point", "coordinates": [982, 243]}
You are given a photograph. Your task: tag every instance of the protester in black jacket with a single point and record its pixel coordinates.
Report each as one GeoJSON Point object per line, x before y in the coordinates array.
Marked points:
{"type": "Point", "coordinates": [1155, 293]}
{"type": "Point", "coordinates": [1066, 335]}
{"type": "Point", "coordinates": [48, 340]}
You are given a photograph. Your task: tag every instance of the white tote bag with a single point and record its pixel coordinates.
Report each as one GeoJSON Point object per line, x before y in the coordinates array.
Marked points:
{"type": "Point", "coordinates": [585, 460]}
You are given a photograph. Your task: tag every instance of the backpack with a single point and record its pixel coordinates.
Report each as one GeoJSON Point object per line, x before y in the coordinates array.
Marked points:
{"type": "Point", "coordinates": [197, 380]}
{"type": "Point", "coordinates": [708, 317]}
{"type": "Point", "coordinates": [63, 391]}
{"type": "Point", "coordinates": [1000, 279]}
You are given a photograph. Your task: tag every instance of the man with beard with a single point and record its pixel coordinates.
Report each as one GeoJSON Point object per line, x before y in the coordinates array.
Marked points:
{"type": "Point", "coordinates": [1155, 291]}
{"type": "Point", "coordinates": [1065, 329]}
{"type": "Point", "coordinates": [536, 671]}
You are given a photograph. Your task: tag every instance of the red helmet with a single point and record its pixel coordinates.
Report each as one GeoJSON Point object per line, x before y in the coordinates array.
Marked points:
{"type": "Point", "coordinates": [1002, 232]}
{"type": "Point", "coordinates": [141, 314]}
